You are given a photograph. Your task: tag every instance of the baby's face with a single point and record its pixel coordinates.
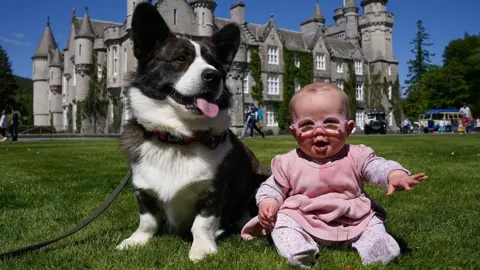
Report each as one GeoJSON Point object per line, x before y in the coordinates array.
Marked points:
{"type": "Point", "coordinates": [321, 142]}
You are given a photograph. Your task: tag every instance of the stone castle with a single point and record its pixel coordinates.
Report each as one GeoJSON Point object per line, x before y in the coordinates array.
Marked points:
{"type": "Point", "coordinates": [363, 39]}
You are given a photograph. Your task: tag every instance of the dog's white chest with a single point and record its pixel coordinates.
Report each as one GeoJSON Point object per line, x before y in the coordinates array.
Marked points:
{"type": "Point", "coordinates": [177, 175]}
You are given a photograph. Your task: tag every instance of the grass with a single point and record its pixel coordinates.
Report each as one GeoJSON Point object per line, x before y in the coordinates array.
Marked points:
{"type": "Point", "coordinates": [47, 187]}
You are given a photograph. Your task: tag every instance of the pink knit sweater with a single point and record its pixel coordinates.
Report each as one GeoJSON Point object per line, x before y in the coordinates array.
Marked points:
{"type": "Point", "coordinates": [327, 199]}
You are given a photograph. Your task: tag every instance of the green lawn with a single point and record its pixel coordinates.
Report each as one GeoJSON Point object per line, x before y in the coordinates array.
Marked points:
{"type": "Point", "coordinates": [47, 187]}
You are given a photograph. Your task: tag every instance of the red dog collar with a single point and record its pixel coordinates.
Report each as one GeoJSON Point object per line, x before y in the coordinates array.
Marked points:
{"type": "Point", "coordinates": [204, 137]}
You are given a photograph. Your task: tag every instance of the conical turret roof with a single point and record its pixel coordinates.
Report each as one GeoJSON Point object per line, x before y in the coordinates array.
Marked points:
{"type": "Point", "coordinates": [47, 42]}
{"type": "Point", "coordinates": [57, 58]}
{"type": "Point", "coordinates": [317, 14]}
{"type": "Point", "coordinates": [86, 29]}
{"type": "Point", "coordinates": [350, 3]}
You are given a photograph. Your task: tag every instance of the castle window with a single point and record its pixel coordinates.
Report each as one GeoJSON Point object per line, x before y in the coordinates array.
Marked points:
{"type": "Point", "coordinates": [51, 75]}
{"type": "Point", "coordinates": [246, 84]}
{"type": "Point", "coordinates": [203, 18]}
{"type": "Point", "coordinates": [339, 67]}
{"type": "Point", "coordinates": [174, 17]}
{"type": "Point", "coordinates": [320, 61]}
{"type": "Point", "coordinates": [273, 55]}
{"type": "Point", "coordinates": [390, 118]}
{"type": "Point", "coordinates": [389, 70]}
{"type": "Point", "coordinates": [297, 84]}
{"type": "Point", "coordinates": [359, 118]}
{"type": "Point", "coordinates": [125, 62]}
{"type": "Point", "coordinates": [115, 61]}
{"type": "Point", "coordinates": [359, 91]}
{"type": "Point", "coordinates": [80, 49]}
{"type": "Point", "coordinates": [389, 92]}
{"type": "Point", "coordinates": [340, 85]}
{"type": "Point", "coordinates": [358, 68]}
{"type": "Point", "coordinates": [133, 5]}
{"type": "Point", "coordinates": [296, 61]}
{"type": "Point", "coordinates": [273, 82]}
{"type": "Point", "coordinates": [99, 71]}
{"type": "Point", "coordinates": [74, 76]}
{"type": "Point", "coordinates": [270, 113]}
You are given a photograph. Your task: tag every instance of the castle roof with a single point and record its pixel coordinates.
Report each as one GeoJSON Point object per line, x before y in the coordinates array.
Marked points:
{"type": "Point", "coordinates": [98, 26]}
{"type": "Point", "coordinates": [253, 34]}
{"type": "Point", "coordinates": [57, 58]}
{"type": "Point", "coordinates": [317, 14]}
{"type": "Point", "coordinates": [47, 42]}
{"type": "Point", "coordinates": [86, 29]}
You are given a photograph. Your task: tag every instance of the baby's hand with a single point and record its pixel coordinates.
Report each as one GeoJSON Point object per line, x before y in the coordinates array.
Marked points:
{"type": "Point", "coordinates": [400, 179]}
{"type": "Point", "coordinates": [267, 212]}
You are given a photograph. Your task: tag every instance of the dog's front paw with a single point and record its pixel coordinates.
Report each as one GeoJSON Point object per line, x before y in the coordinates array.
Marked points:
{"type": "Point", "coordinates": [200, 248]}
{"type": "Point", "coordinates": [138, 239]}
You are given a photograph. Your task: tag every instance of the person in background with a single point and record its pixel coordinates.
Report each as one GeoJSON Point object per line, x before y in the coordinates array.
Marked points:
{"type": "Point", "coordinates": [260, 118]}
{"type": "Point", "coordinates": [252, 121]}
{"type": "Point", "coordinates": [246, 113]}
{"type": "Point", "coordinates": [14, 125]}
{"type": "Point", "coordinates": [466, 117]}
{"type": "Point", "coordinates": [3, 126]}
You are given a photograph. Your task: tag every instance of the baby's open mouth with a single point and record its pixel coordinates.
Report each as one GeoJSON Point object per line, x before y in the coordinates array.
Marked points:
{"type": "Point", "coordinates": [320, 144]}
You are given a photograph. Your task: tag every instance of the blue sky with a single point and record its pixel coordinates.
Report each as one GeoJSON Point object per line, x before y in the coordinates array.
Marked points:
{"type": "Point", "coordinates": [445, 20]}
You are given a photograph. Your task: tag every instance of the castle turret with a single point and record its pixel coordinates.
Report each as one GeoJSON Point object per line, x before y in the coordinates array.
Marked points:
{"type": "Point", "coordinates": [55, 82]}
{"type": "Point", "coordinates": [350, 12]}
{"type": "Point", "coordinates": [40, 77]}
{"type": "Point", "coordinates": [84, 41]}
{"type": "Point", "coordinates": [317, 21]}
{"type": "Point", "coordinates": [376, 34]}
{"type": "Point", "coordinates": [204, 12]}
{"type": "Point", "coordinates": [338, 16]}
{"type": "Point", "coordinates": [131, 5]}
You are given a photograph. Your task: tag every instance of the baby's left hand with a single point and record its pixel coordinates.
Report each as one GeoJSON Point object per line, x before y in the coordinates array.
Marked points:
{"type": "Point", "coordinates": [400, 179]}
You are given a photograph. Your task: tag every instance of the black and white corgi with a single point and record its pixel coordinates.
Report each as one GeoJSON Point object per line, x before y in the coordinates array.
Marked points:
{"type": "Point", "coordinates": [191, 174]}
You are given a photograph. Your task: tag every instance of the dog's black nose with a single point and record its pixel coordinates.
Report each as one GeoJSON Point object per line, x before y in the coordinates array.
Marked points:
{"type": "Point", "coordinates": [211, 76]}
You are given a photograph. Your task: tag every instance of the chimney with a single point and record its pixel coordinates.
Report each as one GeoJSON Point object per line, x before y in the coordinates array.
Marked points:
{"type": "Point", "coordinates": [237, 12]}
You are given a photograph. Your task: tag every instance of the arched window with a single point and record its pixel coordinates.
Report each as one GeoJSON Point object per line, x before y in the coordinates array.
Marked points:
{"type": "Point", "coordinates": [80, 49]}
{"type": "Point", "coordinates": [203, 18]}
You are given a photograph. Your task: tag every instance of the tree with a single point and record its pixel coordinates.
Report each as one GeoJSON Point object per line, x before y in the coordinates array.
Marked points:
{"type": "Point", "coordinates": [24, 99]}
{"type": "Point", "coordinates": [95, 105]}
{"type": "Point", "coordinates": [420, 64]}
{"type": "Point", "coordinates": [255, 67]}
{"type": "Point", "coordinates": [397, 101]}
{"type": "Point", "coordinates": [462, 56]}
{"type": "Point", "coordinates": [373, 87]}
{"type": "Point", "coordinates": [8, 84]}
{"type": "Point", "coordinates": [350, 88]}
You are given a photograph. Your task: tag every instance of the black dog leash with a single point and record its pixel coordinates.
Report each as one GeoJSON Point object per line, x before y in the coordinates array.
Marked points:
{"type": "Point", "coordinates": [79, 226]}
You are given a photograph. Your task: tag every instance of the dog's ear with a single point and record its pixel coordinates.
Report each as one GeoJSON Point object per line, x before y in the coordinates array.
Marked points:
{"type": "Point", "coordinates": [227, 41]}
{"type": "Point", "coordinates": [149, 29]}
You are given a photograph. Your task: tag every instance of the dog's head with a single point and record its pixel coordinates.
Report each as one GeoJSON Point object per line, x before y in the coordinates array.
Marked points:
{"type": "Point", "coordinates": [180, 83]}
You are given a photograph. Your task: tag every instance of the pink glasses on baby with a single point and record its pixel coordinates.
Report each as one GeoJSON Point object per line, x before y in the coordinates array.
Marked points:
{"type": "Point", "coordinates": [329, 124]}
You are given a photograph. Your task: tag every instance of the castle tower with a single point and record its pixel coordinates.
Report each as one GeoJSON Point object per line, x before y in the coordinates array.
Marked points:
{"type": "Point", "coordinates": [131, 4]}
{"type": "Point", "coordinates": [310, 26]}
{"type": "Point", "coordinates": [376, 32]}
{"type": "Point", "coordinates": [350, 12]}
{"type": "Point", "coordinates": [338, 16]}
{"type": "Point", "coordinates": [55, 82]}
{"type": "Point", "coordinates": [84, 41]}
{"type": "Point", "coordinates": [40, 77]}
{"type": "Point", "coordinates": [204, 11]}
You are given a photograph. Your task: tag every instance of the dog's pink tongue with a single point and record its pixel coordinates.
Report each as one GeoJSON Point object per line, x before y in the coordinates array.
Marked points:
{"type": "Point", "coordinates": [208, 108]}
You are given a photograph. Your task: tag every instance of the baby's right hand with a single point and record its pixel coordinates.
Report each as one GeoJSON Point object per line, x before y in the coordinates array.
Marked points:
{"type": "Point", "coordinates": [267, 212]}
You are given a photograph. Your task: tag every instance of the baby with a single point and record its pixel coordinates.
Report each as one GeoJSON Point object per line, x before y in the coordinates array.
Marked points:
{"type": "Point", "coordinates": [315, 195]}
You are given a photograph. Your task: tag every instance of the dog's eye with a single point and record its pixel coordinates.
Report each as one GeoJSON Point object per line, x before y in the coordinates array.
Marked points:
{"type": "Point", "coordinates": [180, 58]}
